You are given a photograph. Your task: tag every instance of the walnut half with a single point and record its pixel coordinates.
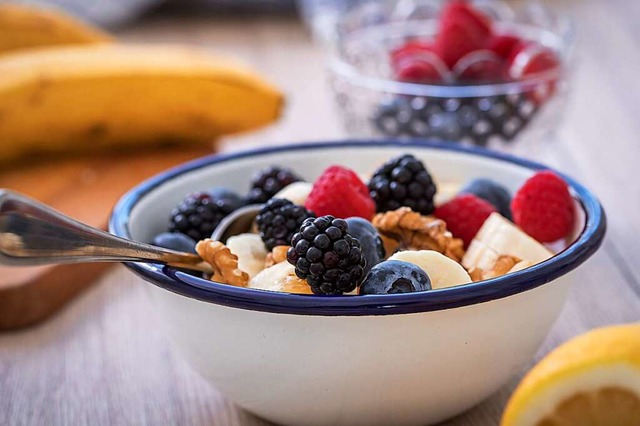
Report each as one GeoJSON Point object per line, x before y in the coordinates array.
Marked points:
{"type": "Point", "coordinates": [504, 265]}
{"type": "Point", "coordinates": [417, 232]}
{"type": "Point", "coordinates": [223, 262]}
{"type": "Point", "coordinates": [277, 255]}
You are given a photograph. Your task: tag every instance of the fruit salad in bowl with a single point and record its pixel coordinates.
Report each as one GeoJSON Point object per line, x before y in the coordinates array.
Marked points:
{"type": "Point", "coordinates": [474, 72]}
{"type": "Point", "coordinates": [407, 266]}
{"type": "Point", "coordinates": [339, 235]}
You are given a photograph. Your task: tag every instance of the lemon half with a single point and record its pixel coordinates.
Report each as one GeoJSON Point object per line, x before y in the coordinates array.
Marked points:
{"type": "Point", "coordinates": [591, 380]}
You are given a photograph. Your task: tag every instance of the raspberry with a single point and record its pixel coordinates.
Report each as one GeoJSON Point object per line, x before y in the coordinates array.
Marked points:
{"type": "Point", "coordinates": [417, 62]}
{"type": "Point", "coordinates": [417, 70]}
{"type": "Point", "coordinates": [278, 220]}
{"type": "Point", "coordinates": [403, 181]}
{"type": "Point", "coordinates": [267, 182]}
{"type": "Point", "coordinates": [543, 207]}
{"type": "Point", "coordinates": [340, 192]}
{"type": "Point", "coordinates": [481, 66]}
{"type": "Point", "coordinates": [461, 11]}
{"type": "Point", "coordinates": [410, 49]}
{"type": "Point", "coordinates": [454, 40]}
{"type": "Point", "coordinates": [532, 58]}
{"type": "Point", "coordinates": [461, 31]}
{"type": "Point", "coordinates": [464, 216]}
{"type": "Point", "coordinates": [327, 256]}
{"type": "Point", "coordinates": [506, 46]}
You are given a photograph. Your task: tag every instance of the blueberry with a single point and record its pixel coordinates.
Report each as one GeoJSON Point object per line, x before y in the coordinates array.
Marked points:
{"type": "Point", "coordinates": [175, 241]}
{"type": "Point", "coordinates": [370, 241]}
{"type": "Point", "coordinates": [220, 192]}
{"type": "Point", "coordinates": [393, 276]}
{"type": "Point", "coordinates": [492, 192]}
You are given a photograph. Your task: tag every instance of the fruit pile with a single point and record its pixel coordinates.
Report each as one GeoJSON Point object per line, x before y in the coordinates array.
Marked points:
{"type": "Point", "coordinates": [468, 49]}
{"type": "Point", "coordinates": [340, 235]}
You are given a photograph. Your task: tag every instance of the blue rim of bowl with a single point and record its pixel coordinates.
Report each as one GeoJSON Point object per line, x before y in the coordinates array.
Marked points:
{"type": "Point", "coordinates": [193, 287]}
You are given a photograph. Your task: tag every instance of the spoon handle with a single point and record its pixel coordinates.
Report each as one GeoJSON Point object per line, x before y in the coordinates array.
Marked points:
{"type": "Point", "coordinates": [32, 233]}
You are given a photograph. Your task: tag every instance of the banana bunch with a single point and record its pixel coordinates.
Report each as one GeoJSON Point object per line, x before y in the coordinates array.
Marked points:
{"type": "Point", "coordinates": [85, 93]}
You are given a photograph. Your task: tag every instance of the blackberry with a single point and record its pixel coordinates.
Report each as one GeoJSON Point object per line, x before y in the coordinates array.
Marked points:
{"type": "Point", "coordinates": [199, 214]}
{"type": "Point", "coordinates": [326, 256]}
{"type": "Point", "coordinates": [267, 182]}
{"type": "Point", "coordinates": [403, 181]}
{"type": "Point", "coordinates": [278, 220]}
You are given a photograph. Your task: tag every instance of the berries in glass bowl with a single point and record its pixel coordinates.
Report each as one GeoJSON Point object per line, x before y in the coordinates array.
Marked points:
{"type": "Point", "coordinates": [460, 71]}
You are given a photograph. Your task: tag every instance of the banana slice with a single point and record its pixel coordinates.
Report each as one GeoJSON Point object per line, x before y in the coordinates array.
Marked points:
{"type": "Point", "coordinates": [499, 236]}
{"type": "Point", "coordinates": [296, 192]}
{"type": "Point", "coordinates": [280, 277]}
{"type": "Point", "coordinates": [442, 271]}
{"type": "Point", "coordinates": [446, 192]}
{"type": "Point", "coordinates": [523, 264]}
{"type": "Point", "coordinates": [251, 252]}
{"type": "Point", "coordinates": [480, 256]}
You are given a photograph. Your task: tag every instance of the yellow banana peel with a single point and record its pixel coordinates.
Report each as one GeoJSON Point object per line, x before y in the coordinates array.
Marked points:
{"type": "Point", "coordinates": [25, 27]}
{"type": "Point", "coordinates": [80, 98]}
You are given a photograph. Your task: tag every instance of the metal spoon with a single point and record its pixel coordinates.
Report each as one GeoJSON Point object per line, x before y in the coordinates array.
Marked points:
{"type": "Point", "coordinates": [32, 233]}
{"type": "Point", "coordinates": [236, 223]}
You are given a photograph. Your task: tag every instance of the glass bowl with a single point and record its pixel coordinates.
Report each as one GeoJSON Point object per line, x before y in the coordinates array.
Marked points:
{"type": "Point", "coordinates": [495, 115]}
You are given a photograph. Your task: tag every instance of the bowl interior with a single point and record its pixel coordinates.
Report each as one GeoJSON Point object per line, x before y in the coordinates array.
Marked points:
{"type": "Point", "coordinates": [144, 212]}
{"type": "Point", "coordinates": [150, 216]}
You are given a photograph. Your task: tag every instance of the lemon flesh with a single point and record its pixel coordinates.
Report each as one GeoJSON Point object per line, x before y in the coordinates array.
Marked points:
{"type": "Point", "coordinates": [592, 380]}
{"type": "Point", "coordinates": [604, 407]}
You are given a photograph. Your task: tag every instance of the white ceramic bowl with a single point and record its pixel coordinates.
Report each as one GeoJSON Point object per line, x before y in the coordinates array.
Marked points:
{"type": "Point", "coordinates": [402, 359]}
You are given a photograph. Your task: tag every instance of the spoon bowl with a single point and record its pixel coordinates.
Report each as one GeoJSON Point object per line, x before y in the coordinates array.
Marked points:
{"type": "Point", "coordinates": [237, 222]}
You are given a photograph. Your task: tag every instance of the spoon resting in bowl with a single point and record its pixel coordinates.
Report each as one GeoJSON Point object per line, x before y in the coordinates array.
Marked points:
{"type": "Point", "coordinates": [32, 233]}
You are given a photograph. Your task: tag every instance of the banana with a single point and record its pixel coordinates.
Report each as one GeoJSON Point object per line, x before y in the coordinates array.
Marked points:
{"type": "Point", "coordinates": [25, 27]}
{"type": "Point", "coordinates": [296, 192]}
{"type": "Point", "coordinates": [95, 96]}
{"type": "Point", "coordinates": [251, 252]}
{"type": "Point", "coordinates": [523, 264]}
{"type": "Point", "coordinates": [280, 277]}
{"type": "Point", "coordinates": [498, 236]}
{"type": "Point", "coordinates": [443, 271]}
{"type": "Point", "coordinates": [446, 192]}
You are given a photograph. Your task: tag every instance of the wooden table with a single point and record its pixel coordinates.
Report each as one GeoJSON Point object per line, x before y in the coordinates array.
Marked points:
{"type": "Point", "coordinates": [103, 362]}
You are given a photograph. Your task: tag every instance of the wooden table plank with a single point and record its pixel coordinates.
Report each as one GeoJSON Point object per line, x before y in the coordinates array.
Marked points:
{"type": "Point", "coordinates": [103, 361]}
